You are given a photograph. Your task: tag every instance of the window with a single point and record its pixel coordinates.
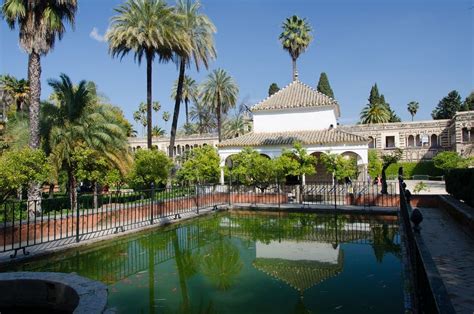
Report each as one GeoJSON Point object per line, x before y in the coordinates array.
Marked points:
{"type": "Point", "coordinates": [411, 141]}
{"type": "Point", "coordinates": [465, 135]}
{"type": "Point", "coordinates": [434, 140]}
{"type": "Point", "coordinates": [372, 142]}
{"type": "Point", "coordinates": [390, 142]}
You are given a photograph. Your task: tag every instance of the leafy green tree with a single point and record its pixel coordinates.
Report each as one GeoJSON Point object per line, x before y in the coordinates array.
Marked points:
{"type": "Point", "coordinates": [387, 160]}
{"type": "Point", "coordinates": [150, 166]}
{"type": "Point", "coordinates": [201, 166]}
{"type": "Point", "coordinates": [219, 92]}
{"type": "Point", "coordinates": [468, 102]}
{"type": "Point", "coordinates": [450, 160]}
{"type": "Point", "coordinates": [18, 168]}
{"type": "Point", "coordinates": [200, 32]}
{"type": "Point", "coordinates": [412, 108]}
{"type": "Point", "coordinates": [203, 117]}
{"type": "Point", "coordinates": [285, 165]}
{"type": "Point", "coordinates": [448, 106]}
{"type": "Point", "coordinates": [323, 85]}
{"type": "Point", "coordinates": [148, 28]}
{"type": "Point", "coordinates": [340, 166]}
{"type": "Point", "coordinates": [375, 164]}
{"type": "Point", "coordinates": [189, 92]}
{"type": "Point", "coordinates": [40, 23]}
{"type": "Point", "coordinates": [18, 90]}
{"type": "Point", "coordinates": [295, 38]}
{"type": "Point", "coordinates": [251, 168]}
{"type": "Point", "coordinates": [306, 162]}
{"type": "Point", "coordinates": [273, 89]}
{"type": "Point", "coordinates": [376, 113]}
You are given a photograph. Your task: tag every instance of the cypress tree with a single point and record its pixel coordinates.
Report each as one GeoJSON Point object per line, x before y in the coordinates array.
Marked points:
{"type": "Point", "coordinates": [448, 106]}
{"type": "Point", "coordinates": [273, 89]}
{"type": "Point", "coordinates": [324, 86]}
{"type": "Point", "coordinates": [374, 97]}
{"type": "Point", "coordinates": [393, 116]}
{"type": "Point", "coordinates": [469, 102]}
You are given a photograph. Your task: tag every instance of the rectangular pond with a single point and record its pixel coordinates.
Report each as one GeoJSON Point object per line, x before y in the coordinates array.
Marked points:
{"type": "Point", "coordinates": [242, 262]}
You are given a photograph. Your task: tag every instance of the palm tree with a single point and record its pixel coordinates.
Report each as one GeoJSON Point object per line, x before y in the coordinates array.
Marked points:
{"type": "Point", "coordinates": [376, 113]}
{"type": "Point", "coordinates": [150, 29]}
{"type": "Point", "coordinates": [189, 92]}
{"type": "Point", "coordinates": [200, 31]}
{"type": "Point", "coordinates": [234, 126]}
{"type": "Point", "coordinates": [202, 115]}
{"type": "Point", "coordinates": [219, 92]}
{"type": "Point", "coordinates": [413, 108]}
{"type": "Point", "coordinates": [295, 38]}
{"type": "Point", "coordinates": [18, 90]}
{"type": "Point", "coordinates": [140, 116]}
{"type": "Point", "coordinates": [158, 131]}
{"type": "Point", "coordinates": [77, 120]}
{"type": "Point", "coordinates": [40, 23]}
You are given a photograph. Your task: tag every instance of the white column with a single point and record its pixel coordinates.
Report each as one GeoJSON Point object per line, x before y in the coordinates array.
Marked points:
{"type": "Point", "coordinates": [303, 179]}
{"type": "Point", "coordinates": [222, 176]}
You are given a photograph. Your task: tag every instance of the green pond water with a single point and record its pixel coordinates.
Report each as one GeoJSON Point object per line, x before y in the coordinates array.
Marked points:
{"type": "Point", "coordinates": [237, 262]}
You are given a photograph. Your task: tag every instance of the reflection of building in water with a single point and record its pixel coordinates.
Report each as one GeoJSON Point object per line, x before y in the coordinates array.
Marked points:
{"type": "Point", "coordinates": [301, 265]}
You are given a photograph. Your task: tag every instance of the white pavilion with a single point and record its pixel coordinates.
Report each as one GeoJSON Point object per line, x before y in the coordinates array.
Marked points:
{"type": "Point", "coordinates": [298, 113]}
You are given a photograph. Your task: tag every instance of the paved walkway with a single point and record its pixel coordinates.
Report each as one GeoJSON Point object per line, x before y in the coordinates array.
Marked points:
{"type": "Point", "coordinates": [452, 250]}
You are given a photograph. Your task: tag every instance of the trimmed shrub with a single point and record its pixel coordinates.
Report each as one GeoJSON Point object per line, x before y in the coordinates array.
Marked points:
{"type": "Point", "coordinates": [411, 169]}
{"type": "Point", "coordinates": [460, 184]}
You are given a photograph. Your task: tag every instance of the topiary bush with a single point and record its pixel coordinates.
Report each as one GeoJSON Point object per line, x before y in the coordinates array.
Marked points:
{"type": "Point", "coordinates": [411, 169]}
{"type": "Point", "coordinates": [460, 184]}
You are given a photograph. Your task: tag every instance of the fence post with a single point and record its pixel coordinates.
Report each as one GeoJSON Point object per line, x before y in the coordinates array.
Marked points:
{"type": "Point", "coordinates": [152, 202]}
{"type": "Point", "coordinates": [335, 193]}
{"type": "Point", "coordinates": [77, 215]}
{"type": "Point", "coordinates": [197, 198]}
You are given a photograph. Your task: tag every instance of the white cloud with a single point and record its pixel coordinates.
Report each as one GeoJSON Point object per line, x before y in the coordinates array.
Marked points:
{"type": "Point", "coordinates": [94, 34]}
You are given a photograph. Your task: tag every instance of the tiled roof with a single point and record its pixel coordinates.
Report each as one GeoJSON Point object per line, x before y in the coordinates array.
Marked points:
{"type": "Point", "coordinates": [330, 136]}
{"type": "Point", "coordinates": [296, 95]}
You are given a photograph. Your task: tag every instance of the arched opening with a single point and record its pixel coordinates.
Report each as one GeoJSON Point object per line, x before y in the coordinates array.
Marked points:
{"type": "Point", "coordinates": [434, 140]}
{"type": "Point", "coordinates": [418, 140]}
{"type": "Point", "coordinates": [411, 141]}
{"type": "Point", "coordinates": [372, 142]}
{"type": "Point", "coordinates": [360, 165]}
{"type": "Point", "coordinates": [321, 175]}
{"type": "Point", "coordinates": [265, 155]}
{"type": "Point", "coordinates": [465, 135]}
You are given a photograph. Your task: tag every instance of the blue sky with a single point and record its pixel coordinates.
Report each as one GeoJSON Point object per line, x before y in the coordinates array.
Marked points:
{"type": "Point", "coordinates": [415, 50]}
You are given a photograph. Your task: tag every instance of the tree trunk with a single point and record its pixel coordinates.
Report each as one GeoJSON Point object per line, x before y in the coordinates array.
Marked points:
{"type": "Point", "coordinates": [72, 191]}
{"type": "Point", "coordinates": [96, 196]}
{"type": "Point", "coordinates": [51, 190]}
{"type": "Point", "coordinates": [384, 181]}
{"type": "Point", "coordinates": [187, 111]}
{"type": "Point", "coordinates": [18, 105]}
{"type": "Point", "coordinates": [179, 91]}
{"type": "Point", "coordinates": [148, 98]}
{"type": "Point", "coordinates": [293, 63]}
{"type": "Point", "coordinates": [34, 76]}
{"type": "Point", "coordinates": [218, 112]}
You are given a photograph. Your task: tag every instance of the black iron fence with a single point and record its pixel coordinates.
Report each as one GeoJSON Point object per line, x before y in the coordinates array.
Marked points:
{"type": "Point", "coordinates": [430, 295]}
{"type": "Point", "coordinates": [23, 224]}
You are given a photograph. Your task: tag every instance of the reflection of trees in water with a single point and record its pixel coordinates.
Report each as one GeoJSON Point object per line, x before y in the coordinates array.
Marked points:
{"type": "Point", "coordinates": [221, 263]}
{"type": "Point", "coordinates": [384, 241]}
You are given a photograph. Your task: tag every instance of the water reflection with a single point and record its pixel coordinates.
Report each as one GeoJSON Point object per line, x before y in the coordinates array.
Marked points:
{"type": "Point", "coordinates": [222, 255]}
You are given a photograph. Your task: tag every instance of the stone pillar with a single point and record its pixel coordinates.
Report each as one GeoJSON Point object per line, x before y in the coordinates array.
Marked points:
{"type": "Point", "coordinates": [303, 179]}
{"type": "Point", "coordinates": [222, 176]}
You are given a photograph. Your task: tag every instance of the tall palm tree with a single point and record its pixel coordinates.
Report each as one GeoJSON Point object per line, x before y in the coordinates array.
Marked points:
{"type": "Point", "coordinates": [202, 115]}
{"type": "Point", "coordinates": [40, 23]}
{"type": "Point", "coordinates": [18, 90]}
{"type": "Point", "coordinates": [148, 28]}
{"type": "Point", "coordinates": [219, 92]}
{"type": "Point", "coordinates": [77, 120]}
{"type": "Point", "coordinates": [375, 113]}
{"type": "Point", "coordinates": [189, 92]}
{"type": "Point", "coordinates": [234, 126]}
{"type": "Point", "coordinates": [413, 108]}
{"type": "Point", "coordinates": [200, 32]}
{"type": "Point", "coordinates": [295, 38]}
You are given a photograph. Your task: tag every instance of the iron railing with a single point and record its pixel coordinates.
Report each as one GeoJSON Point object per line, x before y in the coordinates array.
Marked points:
{"type": "Point", "coordinates": [428, 290]}
{"type": "Point", "coordinates": [23, 225]}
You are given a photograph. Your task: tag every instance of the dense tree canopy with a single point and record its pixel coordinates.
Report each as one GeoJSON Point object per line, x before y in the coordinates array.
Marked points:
{"type": "Point", "coordinates": [448, 106]}
{"type": "Point", "coordinates": [324, 86]}
{"type": "Point", "coordinates": [273, 89]}
{"type": "Point", "coordinates": [201, 165]}
{"type": "Point", "coordinates": [150, 166]}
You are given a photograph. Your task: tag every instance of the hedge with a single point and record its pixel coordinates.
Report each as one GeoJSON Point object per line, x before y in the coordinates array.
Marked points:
{"type": "Point", "coordinates": [460, 184]}
{"type": "Point", "coordinates": [411, 169]}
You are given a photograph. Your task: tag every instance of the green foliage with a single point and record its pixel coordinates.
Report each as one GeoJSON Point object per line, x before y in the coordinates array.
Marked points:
{"type": "Point", "coordinates": [285, 165]}
{"type": "Point", "coordinates": [448, 106]}
{"type": "Point", "coordinates": [451, 160]}
{"type": "Point", "coordinates": [468, 102]}
{"type": "Point", "coordinates": [411, 169]}
{"type": "Point", "coordinates": [273, 89]}
{"type": "Point", "coordinates": [460, 184]}
{"type": "Point", "coordinates": [323, 85]}
{"type": "Point", "coordinates": [377, 110]}
{"type": "Point", "coordinates": [413, 108]}
{"type": "Point", "coordinates": [201, 166]}
{"type": "Point", "coordinates": [251, 168]}
{"type": "Point", "coordinates": [113, 178]}
{"type": "Point", "coordinates": [391, 158]}
{"type": "Point", "coordinates": [420, 186]}
{"type": "Point", "coordinates": [375, 164]}
{"type": "Point", "coordinates": [89, 165]}
{"type": "Point", "coordinates": [340, 166]}
{"type": "Point", "coordinates": [306, 162]}
{"type": "Point", "coordinates": [19, 168]}
{"type": "Point", "coordinates": [140, 116]}
{"type": "Point", "coordinates": [149, 166]}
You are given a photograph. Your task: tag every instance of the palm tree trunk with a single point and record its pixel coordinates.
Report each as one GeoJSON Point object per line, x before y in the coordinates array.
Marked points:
{"type": "Point", "coordinates": [218, 109]}
{"type": "Point", "coordinates": [384, 181]}
{"type": "Point", "coordinates": [293, 62]}
{"type": "Point", "coordinates": [34, 76]}
{"type": "Point", "coordinates": [412, 118]}
{"type": "Point", "coordinates": [187, 111]}
{"type": "Point", "coordinates": [72, 191]}
{"type": "Point", "coordinates": [179, 91]}
{"type": "Point", "coordinates": [148, 98]}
